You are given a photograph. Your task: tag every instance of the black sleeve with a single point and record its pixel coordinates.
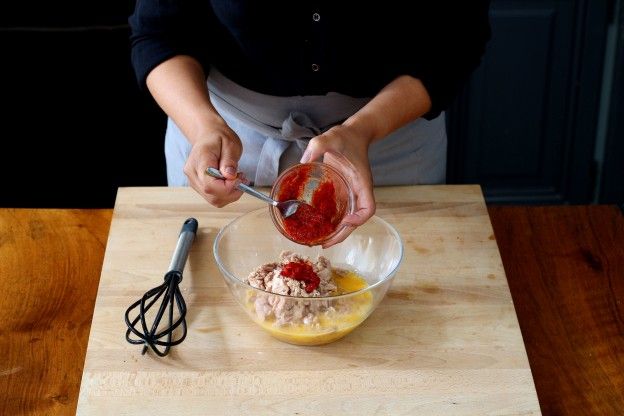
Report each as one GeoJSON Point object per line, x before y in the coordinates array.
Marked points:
{"type": "Point", "coordinates": [161, 29]}
{"type": "Point", "coordinates": [459, 34]}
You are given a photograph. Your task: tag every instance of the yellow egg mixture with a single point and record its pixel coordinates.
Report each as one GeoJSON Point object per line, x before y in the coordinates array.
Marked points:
{"type": "Point", "coordinates": [331, 325]}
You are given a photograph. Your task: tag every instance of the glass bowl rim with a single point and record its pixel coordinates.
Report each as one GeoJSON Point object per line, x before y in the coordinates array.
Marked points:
{"type": "Point", "coordinates": [388, 276]}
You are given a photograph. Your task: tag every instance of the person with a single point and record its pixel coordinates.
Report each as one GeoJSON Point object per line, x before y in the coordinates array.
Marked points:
{"type": "Point", "coordinates": [252, 88]}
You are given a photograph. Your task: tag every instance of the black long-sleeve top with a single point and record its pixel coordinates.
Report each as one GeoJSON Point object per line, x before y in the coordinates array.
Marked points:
{"type": "Point", "coordinates": [300, 47]}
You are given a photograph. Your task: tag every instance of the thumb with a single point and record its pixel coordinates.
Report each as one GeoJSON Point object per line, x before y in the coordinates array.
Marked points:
{"type": "Point", "coordinates": [231, 150]}
{"type": "Point", "coordinates": [314, 150]}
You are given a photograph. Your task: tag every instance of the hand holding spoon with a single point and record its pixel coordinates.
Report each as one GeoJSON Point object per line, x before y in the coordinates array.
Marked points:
{"type": "Point", "coordinates": [286, 208]}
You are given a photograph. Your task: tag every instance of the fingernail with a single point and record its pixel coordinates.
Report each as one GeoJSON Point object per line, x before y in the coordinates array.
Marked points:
{"type": "Point", "coordinates": [230, 170]}
{"type": "Point", "coordinates": [305, 157]}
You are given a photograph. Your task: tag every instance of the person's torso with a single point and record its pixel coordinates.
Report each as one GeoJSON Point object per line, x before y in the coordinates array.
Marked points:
{"type": "Point", "coordinates": [288, 48]}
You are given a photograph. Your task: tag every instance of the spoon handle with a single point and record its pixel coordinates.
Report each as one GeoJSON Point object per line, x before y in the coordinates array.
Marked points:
{"type": "Point", "coordinates": [247, 189]}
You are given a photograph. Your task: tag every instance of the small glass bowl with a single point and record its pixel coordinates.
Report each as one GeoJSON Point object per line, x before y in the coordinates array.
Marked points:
{"type": "Point", "coordinates": [318, 174]}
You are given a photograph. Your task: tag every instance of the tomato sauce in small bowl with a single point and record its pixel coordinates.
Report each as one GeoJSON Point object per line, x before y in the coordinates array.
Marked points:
{"type": "Point", "coordinates": [328, 198]}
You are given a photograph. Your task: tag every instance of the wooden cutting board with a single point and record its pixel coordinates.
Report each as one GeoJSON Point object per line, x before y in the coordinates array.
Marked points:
{"type": "Point", "coordinates": [444, 341]}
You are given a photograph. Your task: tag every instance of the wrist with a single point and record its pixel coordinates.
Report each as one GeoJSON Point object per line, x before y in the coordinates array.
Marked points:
{"type": "Point", "coordinates": [398, 103]}
{"type": "Point", "coordinates": [206, 126]}
{"type": "Point", "coordinates": [364, 126]}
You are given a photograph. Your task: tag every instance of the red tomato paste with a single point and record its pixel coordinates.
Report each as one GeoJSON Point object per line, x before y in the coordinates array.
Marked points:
{"type": "Point", "coordinates": [302, 271]}
{"type": "Point", "coordinates": [312, 222]}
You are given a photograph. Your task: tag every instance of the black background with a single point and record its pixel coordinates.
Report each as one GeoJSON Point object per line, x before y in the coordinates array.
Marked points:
{"type": "Point", "coordinates": [75, 125]}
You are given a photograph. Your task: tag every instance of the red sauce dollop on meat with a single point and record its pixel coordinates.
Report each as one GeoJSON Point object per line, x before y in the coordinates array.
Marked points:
{"type": "Point", "coordinates": [302, 271]}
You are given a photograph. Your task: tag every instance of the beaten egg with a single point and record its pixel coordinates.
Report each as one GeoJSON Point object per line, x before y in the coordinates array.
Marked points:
{"type": "Point", "coordinates": [332, 324]}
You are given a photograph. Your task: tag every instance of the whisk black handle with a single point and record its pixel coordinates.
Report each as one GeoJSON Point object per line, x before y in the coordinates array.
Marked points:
{"type": "Point", "coordinates": [185, 240]}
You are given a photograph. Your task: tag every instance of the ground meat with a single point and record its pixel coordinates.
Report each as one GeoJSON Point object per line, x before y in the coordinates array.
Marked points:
{"type": "Point", "coordinates": [290, 310]}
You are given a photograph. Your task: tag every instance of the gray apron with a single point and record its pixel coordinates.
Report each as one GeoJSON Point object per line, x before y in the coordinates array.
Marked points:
{"type": "Point", "coordinates": [275, 132]}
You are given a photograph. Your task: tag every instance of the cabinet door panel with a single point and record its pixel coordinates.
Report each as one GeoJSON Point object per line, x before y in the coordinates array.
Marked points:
{"type": "Point", "coordinates": [514, 128]}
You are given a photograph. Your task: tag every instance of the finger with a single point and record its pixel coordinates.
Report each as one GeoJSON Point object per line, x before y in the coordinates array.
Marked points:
{"type": "Point", "coordinates": [212, 194]}
{"type": "Point", "coordinates": [365, 207]}
{"type": "Point", "coordinates": [221, 201]}
{"type": "Point", "coordinates": [224, 190]}
{"type": "Point", "coordinates": [315, 149]}
{"type": "Point", "coordinates": [217, 192]}
{"type": "Point", "coordinates": [231, 150]}
{"type": "Point", "coordinates": [209, 197]}
{"type": "Point", "coordinates": [208, 184]}
{"type": "Point", "coordinates": [205, 158]}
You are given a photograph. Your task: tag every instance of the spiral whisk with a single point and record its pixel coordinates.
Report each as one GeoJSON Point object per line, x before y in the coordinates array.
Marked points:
{"type": "Point", "coordinates": [172, 305]}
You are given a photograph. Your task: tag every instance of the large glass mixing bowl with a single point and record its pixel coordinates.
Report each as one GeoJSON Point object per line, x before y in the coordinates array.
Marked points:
{"type": "Point", "coordinates": [374, 251]}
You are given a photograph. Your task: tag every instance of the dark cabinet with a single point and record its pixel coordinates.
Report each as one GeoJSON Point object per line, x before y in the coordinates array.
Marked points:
{"type": "Point", "coordinates": [525, 125]}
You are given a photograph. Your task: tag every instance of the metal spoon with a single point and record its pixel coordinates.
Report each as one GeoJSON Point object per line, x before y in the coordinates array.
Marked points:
{"type": "Point", "coordinates": [286, 208]}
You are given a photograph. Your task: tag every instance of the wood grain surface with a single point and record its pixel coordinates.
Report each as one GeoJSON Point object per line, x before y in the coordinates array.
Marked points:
{"type": "Point", "coordinates": [565, 267]}
{"type": "Point", "coordinates": [568, 329]}
{"type": "Point", "coordinates": [50, 264]}
{"type": "Point", "coordinates": [445, 340]}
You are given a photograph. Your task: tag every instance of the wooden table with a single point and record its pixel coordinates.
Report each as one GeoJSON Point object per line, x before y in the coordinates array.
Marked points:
{"type": "Point", "coordinates": [50, 262]}
{"type": "Point", "coordinates": [564, 266]}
